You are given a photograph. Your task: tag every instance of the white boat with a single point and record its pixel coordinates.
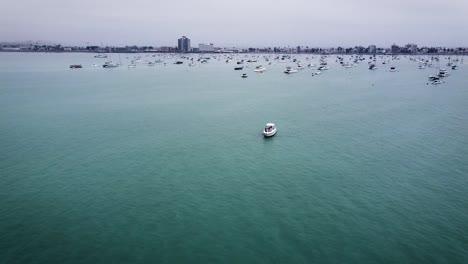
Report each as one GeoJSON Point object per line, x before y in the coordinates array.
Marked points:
{"type": "Point", "coordinates": [131, 66]}
{"type": "Point", "coordinates": [110, 64]}
{"type": "Point", "coordinates": [392, 69]}
{"type": "Point", "coordinates": [101, 56]}
{"type": "Point", "coordinates": [373, 67]}
{"type": "Point", "coordinates": [269, 130]}
{"type": "Point", "coordinates": [435, 82]}
{"type": "Point", "coordinates": [443, 73]}
{"type": "Point", "coordinates": [300, 66]}
{"type": "Point", "coordinates": [290, 70]}
{"type": "Point", "coordinates": [323, 68]}
{"type": "Point", "coordinates": [421, 67]}
{"type": "Point", "coordinates": [316, 73]}
{"type": "Point", "coordinates": [260, 68]}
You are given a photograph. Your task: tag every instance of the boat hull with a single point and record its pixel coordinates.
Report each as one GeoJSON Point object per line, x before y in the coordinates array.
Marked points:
{"type": "Point", "coordinates": [270, 133]}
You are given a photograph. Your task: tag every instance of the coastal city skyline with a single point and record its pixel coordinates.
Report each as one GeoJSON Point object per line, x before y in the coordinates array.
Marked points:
{"type": "Point", "coordinates": [184, 45]}
{"type": "Point", "coordinates": [242, 24]}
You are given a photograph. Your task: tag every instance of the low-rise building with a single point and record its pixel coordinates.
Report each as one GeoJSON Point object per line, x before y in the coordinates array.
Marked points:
{"type": "Point", "coordinates": [206, 47]}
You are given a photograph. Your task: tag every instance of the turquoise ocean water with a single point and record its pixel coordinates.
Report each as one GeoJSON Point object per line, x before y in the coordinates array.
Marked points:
{"type": "Point", "coordinates": [167, 164]}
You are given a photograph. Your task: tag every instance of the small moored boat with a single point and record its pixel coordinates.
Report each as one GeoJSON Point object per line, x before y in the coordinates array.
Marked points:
{"type": "Point", "coordinates": [110, 64]}
{"type": "Point", "coordinates": [76, 66]}
{"type": "Point", "coordinates": [443, 73]}
{"type": "Point", "coordinates": [260, 68]}
{"type": "Point", "coordinates": [290, 70]}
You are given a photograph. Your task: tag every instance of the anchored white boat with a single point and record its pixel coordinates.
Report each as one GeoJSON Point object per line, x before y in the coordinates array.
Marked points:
{"type": "Point", "coordinates": [290, 70]}
{"type": "Point", "coordinates": [392, 69]}
{"type": "Point", "coordinates": [110, 64]}
{"type": "Point", "coordinates": [260, 68]}
{"type": "Point", "coordinates": [443, 73]}
{"type": "Point", "coordinates": [269, 130]}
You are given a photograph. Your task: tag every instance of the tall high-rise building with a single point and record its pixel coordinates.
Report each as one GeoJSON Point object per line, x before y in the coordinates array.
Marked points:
{"type": "Point", "coordinates": [372, 49]}
{"type": "Point", "coordinates": [184, 44]}
{"type": "Point", "coordinates": [395, 49]}
{"type": "Point", "coordinates": [412, 48]}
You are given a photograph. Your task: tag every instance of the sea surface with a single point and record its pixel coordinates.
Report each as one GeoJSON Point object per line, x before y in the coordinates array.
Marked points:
{"type": "Point", "coordinates": [168, 164]}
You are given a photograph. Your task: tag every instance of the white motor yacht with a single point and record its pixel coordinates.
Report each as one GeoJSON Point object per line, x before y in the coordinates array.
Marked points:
{"type": "Point", "coordinates": [110, 64]}
{"type": "Point", "coordinates": [443, 73]}
{"type": "Point", "coordinates": [392, 69]}
{"type": "Point", "coordinates": [260, 68]}
{"type": "Point", "coordinates": [269, 130]}
{"type": "Point", "coordinates": [290, 70]}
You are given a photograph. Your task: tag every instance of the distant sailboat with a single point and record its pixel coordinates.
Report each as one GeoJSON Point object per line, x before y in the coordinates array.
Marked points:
{"type": "Point", "coordinates": [110, 64]}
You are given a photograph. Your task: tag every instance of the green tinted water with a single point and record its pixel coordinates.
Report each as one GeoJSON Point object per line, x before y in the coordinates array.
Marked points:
{"type": "Point", "coordinates": [167, 164]}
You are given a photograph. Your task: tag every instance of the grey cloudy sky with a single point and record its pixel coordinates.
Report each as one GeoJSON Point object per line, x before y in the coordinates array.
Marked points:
{"type": "Point", "coordinates": [237, 23]}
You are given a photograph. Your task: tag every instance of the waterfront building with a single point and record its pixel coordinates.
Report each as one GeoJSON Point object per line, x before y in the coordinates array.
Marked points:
{"type": "Point", "coordinates": [206, 47]}
{"type": "Point", "coordinates": [395, 49]}
{"type": "Point", "coordinates": [184, 44]}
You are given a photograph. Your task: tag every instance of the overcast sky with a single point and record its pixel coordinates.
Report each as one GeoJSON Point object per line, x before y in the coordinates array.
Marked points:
{"type": "Point", "coordinates": [237, 23]}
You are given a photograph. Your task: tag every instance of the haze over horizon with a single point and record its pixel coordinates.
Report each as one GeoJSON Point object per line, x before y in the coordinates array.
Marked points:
{"type": "Point", "coordinates": [241, 23]}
